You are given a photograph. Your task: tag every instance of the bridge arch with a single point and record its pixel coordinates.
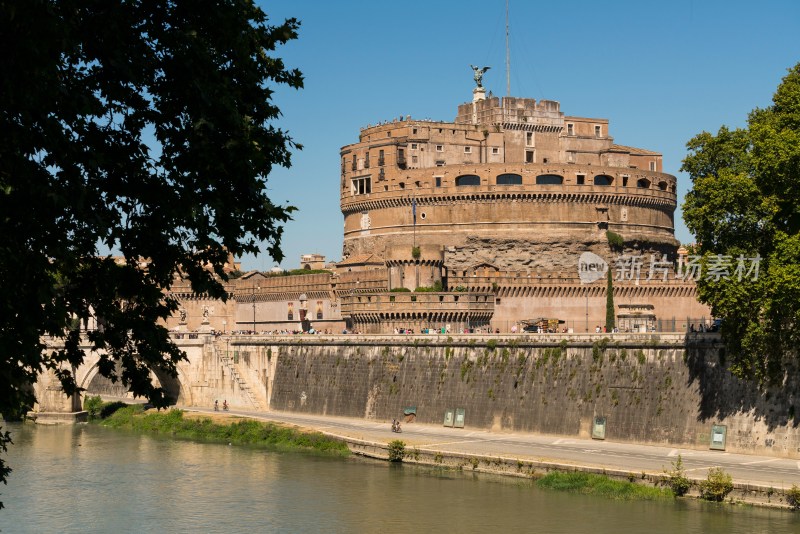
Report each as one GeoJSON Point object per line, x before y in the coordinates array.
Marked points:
{"type": "Point", "coordinates": [94, 383]}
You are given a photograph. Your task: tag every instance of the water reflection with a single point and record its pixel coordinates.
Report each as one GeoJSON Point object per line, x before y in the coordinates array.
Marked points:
{"type": "Point", "coordinates": [91, 479]}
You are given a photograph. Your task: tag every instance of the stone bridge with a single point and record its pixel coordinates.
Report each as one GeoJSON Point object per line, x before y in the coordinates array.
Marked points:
{"type": "Point", "coordinates": [216, 368]}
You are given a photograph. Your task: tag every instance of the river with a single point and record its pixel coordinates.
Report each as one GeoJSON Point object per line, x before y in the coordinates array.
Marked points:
{"type": "Point", "coordinates": [87, 478]}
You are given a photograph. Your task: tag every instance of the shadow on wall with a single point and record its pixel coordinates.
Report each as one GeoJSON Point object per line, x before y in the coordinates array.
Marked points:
{"type": "Point", "coordinates": [100, 385]}
{"type": "Point", "coordinates": [724, 395]}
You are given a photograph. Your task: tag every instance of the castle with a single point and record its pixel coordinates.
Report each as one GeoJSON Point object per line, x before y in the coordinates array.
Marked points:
{"type": "Point", "coordinates": [480, 223]}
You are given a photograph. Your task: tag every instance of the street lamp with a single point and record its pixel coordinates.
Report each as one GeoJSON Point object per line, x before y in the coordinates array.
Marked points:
{"type": "Point", "coordinates": [586, 292]}
{"type": "Point", "coordinates": [254, 308]}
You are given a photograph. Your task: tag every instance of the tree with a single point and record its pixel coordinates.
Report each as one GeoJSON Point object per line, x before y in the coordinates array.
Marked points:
{"type": "Point", "coordinates": [744, 209]}
{"type": "Point", "coordinates": [145, 128]}
{"type": "Point", "coordinates": [610, 315]}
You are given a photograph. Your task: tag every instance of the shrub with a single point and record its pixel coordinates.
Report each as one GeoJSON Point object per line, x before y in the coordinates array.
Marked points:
{"type": "Point", "coordinates": [93, 405]}
{"type": "Point", "coordinates": [677, 481]}
{"type": "Point", "coordinates": [108, 409]}
{"type": "Point", "coordinates": [435, 288]}
{"type": "Point", "coordinates": [615, 241]}
{"type": "Point", "coordinates": [717, 485]}
{"type": "Point", "coordinates": [397, 450]}
{"type": "Point", "coordinates": [415, 253]}
{"type": "Point", "coordinates": [793, 497]}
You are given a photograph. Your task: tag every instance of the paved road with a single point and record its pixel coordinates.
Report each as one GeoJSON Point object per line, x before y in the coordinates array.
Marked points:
{"type": "Point", "coordinates": [764, 471]}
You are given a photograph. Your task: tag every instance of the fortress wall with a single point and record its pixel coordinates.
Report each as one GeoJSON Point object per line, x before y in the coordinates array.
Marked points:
{"type": "Point", "coordinates": [651, 389]}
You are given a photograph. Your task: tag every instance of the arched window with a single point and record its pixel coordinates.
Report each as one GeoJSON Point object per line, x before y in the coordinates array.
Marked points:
{"type": "Point", "coordinates": [643, 183]}
{"type": "Point", "coordinates": [508, 179]}
{"type": "Point", "coordinates": [662, 186]}
{"type": "Point", "coordinates": [468, 179]}
{"type": "Point", "coordinates": [603, 179]}
{"type": "Point", "coordinates": [549, 179]}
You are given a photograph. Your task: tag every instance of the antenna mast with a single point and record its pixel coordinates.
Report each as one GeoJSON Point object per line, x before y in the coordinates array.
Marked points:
{"type": "Point", "coordinates": [508, 58]}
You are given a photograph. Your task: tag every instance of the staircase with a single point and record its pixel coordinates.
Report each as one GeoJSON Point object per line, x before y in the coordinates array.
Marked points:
{"type": "Point", "coordinates": [244, 387]}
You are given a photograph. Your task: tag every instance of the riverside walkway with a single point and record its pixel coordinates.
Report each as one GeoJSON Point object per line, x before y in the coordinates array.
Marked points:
{"type": "Point", "coordinates": [751, 474]}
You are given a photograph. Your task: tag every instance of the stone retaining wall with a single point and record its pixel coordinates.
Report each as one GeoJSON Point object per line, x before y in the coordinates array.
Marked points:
{"type": "Point", "coordinates": [650, 389]}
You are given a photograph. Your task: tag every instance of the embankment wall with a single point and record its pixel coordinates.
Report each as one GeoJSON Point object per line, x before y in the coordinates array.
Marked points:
{"type": "Point", "coordinates": [664, 389]}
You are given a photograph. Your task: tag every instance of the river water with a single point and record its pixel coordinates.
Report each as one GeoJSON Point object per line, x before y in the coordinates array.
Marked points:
{"type": "Point", "coordinates": [87, 478]}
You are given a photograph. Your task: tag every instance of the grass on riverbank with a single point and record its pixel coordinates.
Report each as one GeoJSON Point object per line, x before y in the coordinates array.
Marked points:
{"type": "Point", "coordinates": [591, 484]}
{"type": "Point", "coordinates": [241, 432]}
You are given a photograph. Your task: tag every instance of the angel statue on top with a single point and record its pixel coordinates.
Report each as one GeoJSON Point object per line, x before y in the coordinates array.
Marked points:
{"type": "Point", "coordinates": [479, 74]}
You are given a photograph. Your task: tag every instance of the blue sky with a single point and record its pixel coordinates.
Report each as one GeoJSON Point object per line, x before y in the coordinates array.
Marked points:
{"type": "Point", "coordinates": [661, 72]}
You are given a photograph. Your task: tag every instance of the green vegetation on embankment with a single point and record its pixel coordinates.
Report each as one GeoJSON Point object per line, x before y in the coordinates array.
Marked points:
{"type": "Point", "coordinates": [591, 484]}
{"type": "Point", "coordinates": [239, 432]}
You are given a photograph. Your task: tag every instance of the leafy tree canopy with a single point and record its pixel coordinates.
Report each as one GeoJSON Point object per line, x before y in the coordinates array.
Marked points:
{"type": "Point", "coordinates": [139, 127]}
{"type": "Point", "coordinates": [745, 202]}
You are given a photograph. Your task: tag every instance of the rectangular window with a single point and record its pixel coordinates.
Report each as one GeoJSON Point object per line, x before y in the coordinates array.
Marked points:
{"type": "Point", "coordinates": [580, 179]}
{"type": "Point", "coordinates": [495, 150]}
{"type": "Point", "coordinates": [652, 165]}
{"type": "Point", "coordinates": [440, 163]}
{"type": "Point", "coordinates": [529, 156]}
{"type": "Point", "coordinates": [624, 180]}
{"type": "Point", "coordinates": [570, 129]}
{"type": "Point", "coordinates": [528, 138]}
{"type": "Point", "coordinates": [366, 161]}
{"type": "Point", "coordinates": [438, 181]}
{"type": "Point", "coordinates": [413, 146]}
{"type": "Point", "coordinates": [414, 131]}
{"type": "Point", "coordinates": [467, 150]}
{"type": "Point", "coordinates": [361, 186]}
{"type": "Point", "coordinates": [380, 157]}
{"type": "Point", "coordinates": [439, 148]}
{"type": "Point", "coordinates": [414, 159]}
{"type": "Point", "coordinates": [597, 130]}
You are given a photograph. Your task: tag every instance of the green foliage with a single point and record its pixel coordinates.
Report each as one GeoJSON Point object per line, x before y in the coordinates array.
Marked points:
{"type": "Point", "coordinates": [793, 497]}
{"type": "Point", "coordinates": [415, 253]}
{"type": "Point", "coordinates": [144, 128]}
{"type": "Point", "coordinates": [243, 432]}
{"type": "Point", "coordinates": [435, 288]}
{"type": "Point", "coordinates": [591, 484]}
{"type": "Point", "coordinates": [744, 203]}
{"type": "Point", "coordinates": [677, 481]}
{"type": "Point", "coordinates": [491, 344]}
{"type": "Point", "coordinates": [397, 450]}
{"type": "Point", "coordinates": [717, 486]}
{"type": "Point", "coordinates": [299, 272]}
{"type": "Point", "coordinates": [610, 313]}
{"type": "Point", "coordinates": [615, 241]}
{"type": "Point", "coordinates": [92, 405]}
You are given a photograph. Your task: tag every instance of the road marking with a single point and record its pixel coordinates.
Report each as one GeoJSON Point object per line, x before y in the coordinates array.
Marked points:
{"type": "Point", "coordinates": [699, 468]}
{"type": "Point", "coordinates": [760, 461]}
{"type": "Point", "coordinates": [563, 442]}
{"type": "Point", "coordinates": [592, 450]}
{"type": "Point", "coordinates": [451, 442]}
